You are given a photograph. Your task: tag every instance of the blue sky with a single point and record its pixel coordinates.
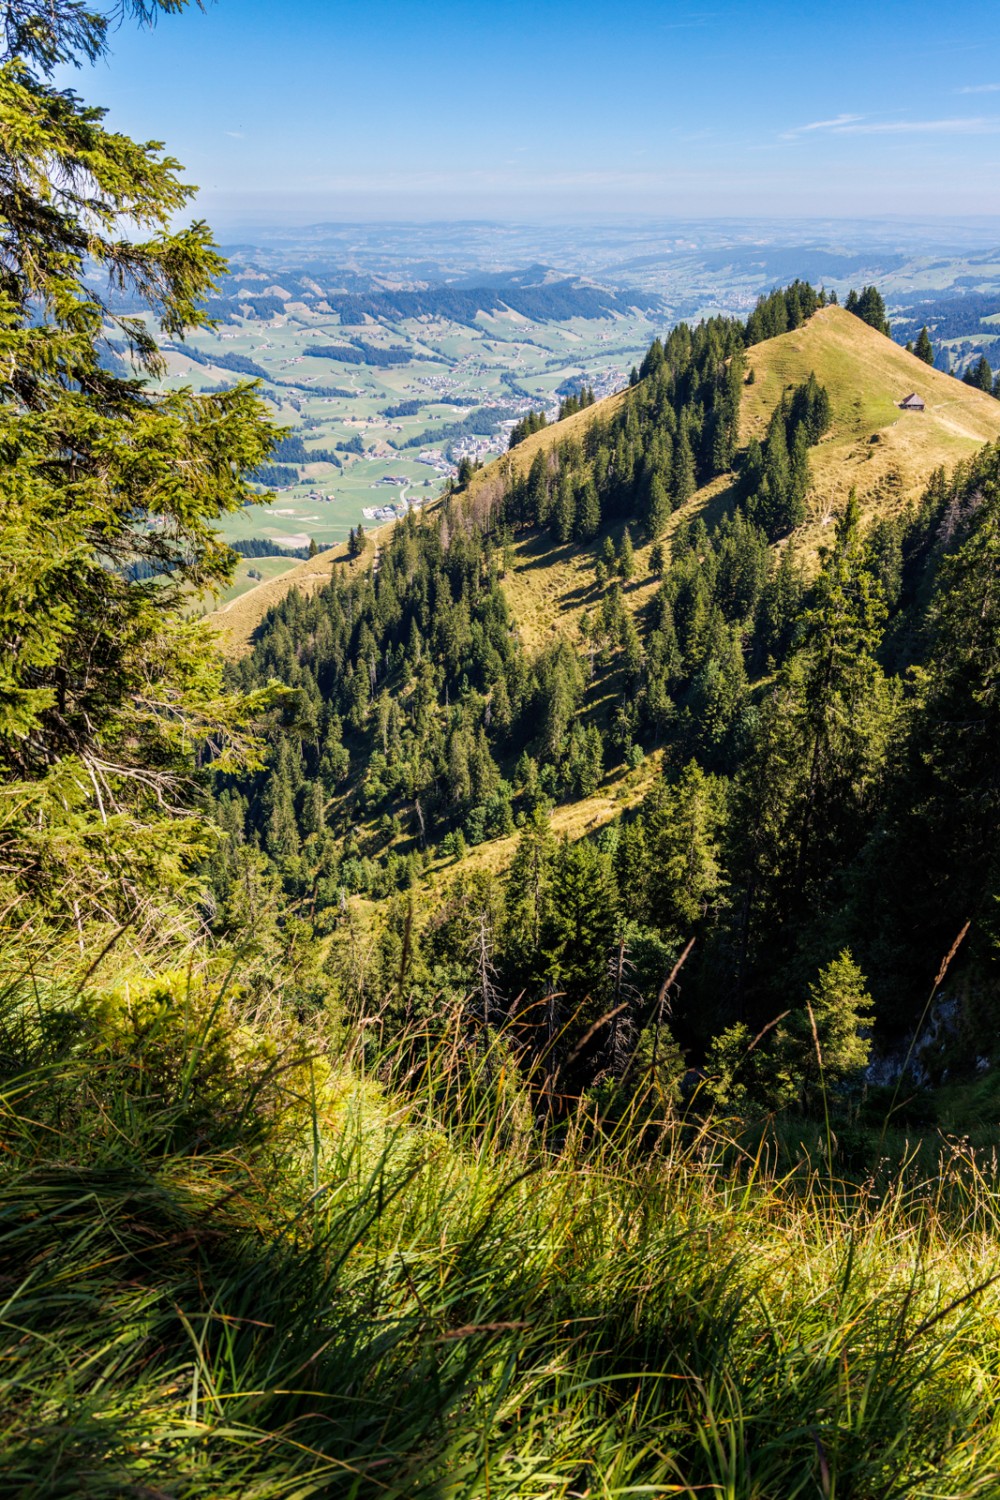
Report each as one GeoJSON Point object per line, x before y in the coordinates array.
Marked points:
{"type": "Point", "coordinates": [305, 109]}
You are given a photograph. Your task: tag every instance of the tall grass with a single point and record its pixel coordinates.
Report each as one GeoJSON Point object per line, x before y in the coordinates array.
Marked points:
{"type": "Point", "coordinates": [233, 1265]}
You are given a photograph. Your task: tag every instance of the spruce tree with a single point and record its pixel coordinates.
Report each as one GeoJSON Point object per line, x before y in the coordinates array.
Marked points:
{"type": "Point", "coordinates": [109, 492]}
{"type": "Point", "coordinates": [578, 924]}
{"type": "Point", "coordinates": [810, 789]}
{"type": "Point", "coordinates": [527, 885]}
{"type": "Point", "coordinates": [827, 1041]}
{"type": "Point", "coordinates": [685, 823]}
{"type": "Point", "coordinates": [626, 557]}
{"type": "Point", "coordinates": [657, 508]}
{"type": "Point", "coordinates": [538, 491]}
{"type": "Point", "coordinates": [944, 852]}
{"type": "Point", "coordinates": [923, 348]}
{"type": "Point", "coordinates": [684, 481]}
{"type": "Point", "coordinates": [588, 512]}
{"type": "Point", "coordinates": [564, 509]}
{"type": "Point", "coordinates": [979, 375]}
{"type": "Point", "coordinates": [870, 308]}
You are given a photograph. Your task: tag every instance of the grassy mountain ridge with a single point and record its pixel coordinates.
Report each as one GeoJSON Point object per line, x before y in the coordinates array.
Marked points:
{"type": "Point", "coordinates": [886, 454]}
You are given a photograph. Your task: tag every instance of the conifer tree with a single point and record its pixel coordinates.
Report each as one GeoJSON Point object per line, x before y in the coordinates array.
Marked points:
{"type": "Point", "coordinates": [538, 491]}
{"type": "Point", "coordinates": [527, 885]}
{"type": "Point", "coordinates": [979, 375]}
{"type": "Point", "coordinates": [658, 508]}
{"type": "Point", "coordinates": [588, 511]}
{"type": "Point", "coordinates": [923, 348]}
{"type": "Point", "coordinates": [281, 833]}
{"type": "Point", "coordinates": [578, 925]}
{"type": "Point", "coordinates": [632, 656]}
{"type": "Point", "coordinates": [685, 822]}
{"type": "Point", "coordinates": [946, 812]}
{"type": "Point", "coordinates": [684, 482]}
{"type": "Point", "coordinates": [828, 1041]}
{"type": "Point", "coordinates": [626, 557]}
{"type": "Point", "coordinates": [109, 493]}
{"type": "Point", "coordinates": [808, 793]}
{"type": "Point", "coordinates": [870, 308]}
{"type": "Point", "coordinates": [564, 510]}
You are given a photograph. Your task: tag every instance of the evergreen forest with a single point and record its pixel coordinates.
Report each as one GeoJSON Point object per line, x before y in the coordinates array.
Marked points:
{"type": "Point", "coordinates": [444, 1058]}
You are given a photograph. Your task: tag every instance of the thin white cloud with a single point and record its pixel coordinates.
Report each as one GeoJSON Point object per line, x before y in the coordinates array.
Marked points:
{"type": "Point", "coordinates": [980, 88]}
{"type": "Point", "coordinates": [978, 125]}
{"type": "Point", "coordinates": [831, 124]}
{"type": "Point", "coordinates": [860, 125]}
{"type": "Point", "coordinates": [236, 135]}
{"type": "Point", "coordinates": [835, 124]}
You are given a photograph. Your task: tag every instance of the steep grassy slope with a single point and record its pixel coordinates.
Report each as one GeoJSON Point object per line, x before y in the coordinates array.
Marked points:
{"type": "Point", "coordinates": [886, 454]}
{"type": "Point", "coordinates": [289, 1281]}
{"type": "Point", "coordinates": [237, 618]}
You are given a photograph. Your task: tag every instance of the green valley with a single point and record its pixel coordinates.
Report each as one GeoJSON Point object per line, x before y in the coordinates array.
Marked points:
{"type": "Point", "coordinates": [390, 406]}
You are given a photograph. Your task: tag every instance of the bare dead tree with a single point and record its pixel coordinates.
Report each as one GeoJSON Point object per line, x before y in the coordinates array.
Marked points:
{"type": "Point", "coordinates": [482, 947]}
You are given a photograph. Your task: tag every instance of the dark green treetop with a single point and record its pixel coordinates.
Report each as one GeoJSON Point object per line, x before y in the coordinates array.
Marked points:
{"type": "Point", "coordinates": [869, 307]}
{"type": "Point", "coordinates": [109, 493]}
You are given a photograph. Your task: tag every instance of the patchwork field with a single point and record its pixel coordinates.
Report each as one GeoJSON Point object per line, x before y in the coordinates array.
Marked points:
{"type": "Point", "coordinates": [388, 436]}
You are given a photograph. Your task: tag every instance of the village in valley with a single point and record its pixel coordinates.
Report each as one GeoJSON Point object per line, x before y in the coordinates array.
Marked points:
{"type": "Point", "coordinates": [379, 413]}
{"type": "Point", "coordinates": [389, 365]}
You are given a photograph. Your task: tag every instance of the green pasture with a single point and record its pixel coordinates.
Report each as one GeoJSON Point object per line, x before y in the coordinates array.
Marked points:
{"type": "Point", "coordinates": [267, 567]}
{"type": "Point", "coordinates": [472, 362]}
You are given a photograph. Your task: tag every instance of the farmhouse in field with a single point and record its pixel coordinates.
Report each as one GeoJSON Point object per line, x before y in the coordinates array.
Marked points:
{"type": "Point", "coordinates": [913, 402]}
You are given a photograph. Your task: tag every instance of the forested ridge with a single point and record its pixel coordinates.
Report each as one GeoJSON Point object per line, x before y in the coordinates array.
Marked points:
{"type": "Point", "coordinates": [372, 1122]}
{"type": "Point", "coordinates": [787, 712]}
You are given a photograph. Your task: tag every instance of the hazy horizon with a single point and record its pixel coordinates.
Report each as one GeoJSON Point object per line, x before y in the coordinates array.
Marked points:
{"type": "Point", "coordinates": [413, 111]}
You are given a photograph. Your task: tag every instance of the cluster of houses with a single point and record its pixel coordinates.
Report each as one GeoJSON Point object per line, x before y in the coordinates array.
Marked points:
{"type": "Point", "coordinates": [434, 459]}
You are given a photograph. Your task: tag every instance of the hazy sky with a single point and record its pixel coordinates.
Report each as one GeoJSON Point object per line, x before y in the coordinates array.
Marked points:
{"type": "Point", "coordinates": [308, 108]}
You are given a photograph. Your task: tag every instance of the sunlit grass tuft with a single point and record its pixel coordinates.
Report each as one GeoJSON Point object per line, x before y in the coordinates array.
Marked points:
{"type": "Point", "coordinates": [238, 1261]}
